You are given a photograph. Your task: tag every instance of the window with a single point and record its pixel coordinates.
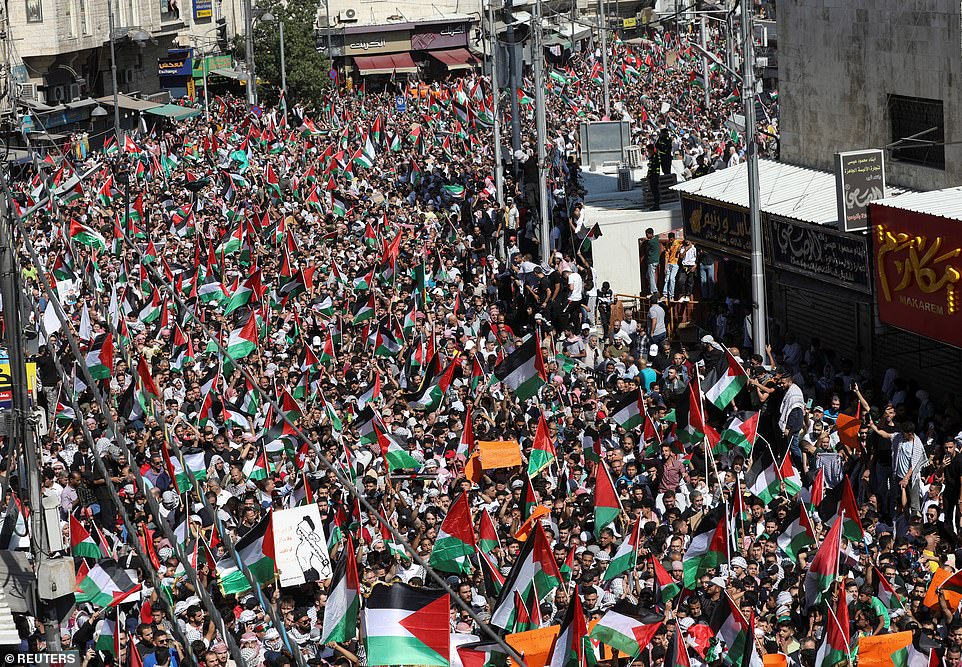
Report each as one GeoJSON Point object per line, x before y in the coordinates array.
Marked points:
{"type": "Point", "coordinates": [922, 119]}
{"type": "Point", "coordinates": [169, 10]}
{"type": "Point", "coordinates": [84, 18]}
{"type": "Point", "coordinates": [71, 18]}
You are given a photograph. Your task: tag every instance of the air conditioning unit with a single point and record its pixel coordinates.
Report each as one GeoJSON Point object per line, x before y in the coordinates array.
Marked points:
{"type": "Point", "coordinates": [348, 16]}
{"type": "Point", "coordinates": [74, 91]}
{"type": "Point", "coordinates": [126, 76]}
{"type": "Point", "coordinates": [56, 94]}
{"type": "Point", "coordinates": [28, 91]}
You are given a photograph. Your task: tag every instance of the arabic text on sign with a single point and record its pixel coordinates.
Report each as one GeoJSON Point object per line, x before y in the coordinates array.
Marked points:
{"type": "Point", "coordinates": [917, 261]}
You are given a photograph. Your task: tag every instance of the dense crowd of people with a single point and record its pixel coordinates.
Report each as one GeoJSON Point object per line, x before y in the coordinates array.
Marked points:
{"type": "Point", "coordinates": [239, 317]}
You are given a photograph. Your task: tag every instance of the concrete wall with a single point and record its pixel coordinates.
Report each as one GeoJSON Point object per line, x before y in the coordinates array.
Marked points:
{"type": "Point", "coordinates": [840, 59]}
{"type": "Point", "coordinates": [615, 254]}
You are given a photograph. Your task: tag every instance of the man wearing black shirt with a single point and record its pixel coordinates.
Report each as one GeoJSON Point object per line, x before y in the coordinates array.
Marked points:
{"type": "Point", "coordinates": [952, 480]}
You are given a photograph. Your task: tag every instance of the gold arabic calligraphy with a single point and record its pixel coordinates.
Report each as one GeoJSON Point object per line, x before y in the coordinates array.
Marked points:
{"type": "Point", "coordinates": [923, 265]}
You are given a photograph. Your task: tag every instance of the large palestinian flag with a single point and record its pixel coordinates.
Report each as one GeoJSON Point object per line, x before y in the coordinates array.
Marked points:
{"type": "Point", "coordinates": [627, 628]}
{"type": "Point", "coordinates": [403, 625]}
{"type": "Point", "coordinates": [104, 582]}
{"type": "Point", "coordinates": [256, 552]}
{"type": "Point", "coordinates": [522, 371]}
{"type": "Point", "coordinates": [343, 600]}
{"type": "Point", "coordinates": [535, 566]}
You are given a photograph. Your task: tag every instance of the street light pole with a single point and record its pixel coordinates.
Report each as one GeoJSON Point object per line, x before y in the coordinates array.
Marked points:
{"type": "Point", "coordinates": [495, 107]}
{"type": "Point", "coordinates": [249, 54]}
{"type": "Point", "coordinates": [541, 125]}
{"type": "Point", "coordinates": [704, 61]}
{"type": "Point", "coordinates": [283, 65]}
{"type": "Point", "coordinates": [113, 72]}
{"type": "Point", "coordinates": [759, 309]}
{"type": "Point", "coordinates": [603, 29]}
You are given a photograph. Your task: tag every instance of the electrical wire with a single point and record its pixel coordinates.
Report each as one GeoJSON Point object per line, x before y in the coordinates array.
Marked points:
{"type": "Point", "coordinates": [331, 468]}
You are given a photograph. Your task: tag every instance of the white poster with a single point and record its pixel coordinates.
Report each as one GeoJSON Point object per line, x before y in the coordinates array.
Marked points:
{"type": "Point", "coordinates": [300, 548]}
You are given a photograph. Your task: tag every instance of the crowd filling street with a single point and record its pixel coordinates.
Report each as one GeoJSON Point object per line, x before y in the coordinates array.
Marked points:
{"type": "Point", "coordinates": [289, 307]}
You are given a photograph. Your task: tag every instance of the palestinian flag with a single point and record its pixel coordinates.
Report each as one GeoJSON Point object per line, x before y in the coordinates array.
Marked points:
{"type": "Point", "coordinates": [64, 413]}
{"type": "Point", "coordinates": [100, 357]}
{"type": "Point", "coordinates": [666, 588]}
{"type": "Point", "coordinates": [364, 311]}
{"type": "Point", "coordinates": [542, 451]}
{"type": "Point", "coordinates": [838, 501]}
{"type": "Point", "coordinates": [395, 456]}
{"type": "Point", "coordinates": [243, 341]}
{"type": "Point", "coordinates": [824, 567]}
{"type": "Point", "coordinates": [433, 389]}
{"type": "Point", "coordinates": [627, 628]}
{"type": "Point", "coordinates": [482, 654]}
{"type": "Point", "coordinates": [628, 410]}
{"type": "Point", "coordinates": [385, 345]}
{"type": "Point", "coordinates": [535, 566]}
{"type": "Point", "coordinates": [731, 628]}
{"type": "Point", "coordinates": [763, 479]}
{"type": "Point", "coordinates": [403, 625]}
{"type": "Point", "coordinates": [107, 640]}
{"type": "Point", "coordinates": [455, 541]}
{"type": "Point", "coordinates": [739, 434]}
{"type": "Point", "coordinates": [522, 371]}
{"type": "Point", "coordinates": [487, 533]}
{"type": "Point", "coordinates": [796, 532]}
{"type": "Point", "coordinates": [569, 646]}
{"type": "Point", "coordinates": [456, 191]}
{"type": "Point", "coordinates": [885, 591]}
{"type": "Point", "coordinates": [104, 582]}
{"type": "Point", "coordinates": [249, 291]}
{"type": "Point", "coordinates": [256, 468]}
{"type": "Point", "coordinates": [82, 545]}
{"type": "Point", "coordinates": [691, 427]}
{"type": "Point", "coordinates": [708, 549]}
{"type": "Point", "coordinates": [677, 654]}
{"type": "Point", "coordinates": [626, 556]}
{"type": "Point", "coordinates": [723, 382]}
{"type": "Point", "coordinates": [834, 649]}
{"type": "Point", "coordinates": [87, 236]}
{"type": "Point", "coordinates": [493, 579]}
{"type": "Point", "coordinates": [343, 600]}
{"type": "Point", "coordinates": [607, 502]}
{"type": "Point", "coordinates": [256, 553]}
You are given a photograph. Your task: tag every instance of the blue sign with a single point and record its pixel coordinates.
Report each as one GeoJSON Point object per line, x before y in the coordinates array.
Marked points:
{"type": "Point", "coordinates": [175, 66]}
{"type": "Point", "coordinates": [203, 9]}
{"type": "Point", "coordinates": [401, 102]}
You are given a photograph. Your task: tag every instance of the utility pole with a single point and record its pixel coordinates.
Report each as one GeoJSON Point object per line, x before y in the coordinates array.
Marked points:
{"type": "Point", "coordinates": [514, 84]}
{"type": "Point", "coordinates": [113, 74]}
{"type": "Point", "coordinates": [541, 126]}
{"type": "Point", "coordinates": [759, 309]}
{"type": "Point", "coordinates": [280, 27]}
{"type": "Point", "coordinates": [22, 446]}
{"type": "Point", "coordinates": [495, 106]}
{"type": "Point", "coordinates": [603, 29]}
{"type": "Point", "coordinates": [704, 60]}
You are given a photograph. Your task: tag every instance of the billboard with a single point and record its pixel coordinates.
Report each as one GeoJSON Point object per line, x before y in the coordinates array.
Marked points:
{"type": "Point", "coordinates": [859, 179]}
{"type": "Point", "coordinates": [918, 265]}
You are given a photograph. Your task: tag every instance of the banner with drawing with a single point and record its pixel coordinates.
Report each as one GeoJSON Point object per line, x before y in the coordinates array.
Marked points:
{"type": "Point", "coordinates": [300, 547]}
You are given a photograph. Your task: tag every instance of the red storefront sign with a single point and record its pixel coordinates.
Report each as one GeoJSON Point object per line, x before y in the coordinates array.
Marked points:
{"type": "Point", "coordinates": [918, 266]}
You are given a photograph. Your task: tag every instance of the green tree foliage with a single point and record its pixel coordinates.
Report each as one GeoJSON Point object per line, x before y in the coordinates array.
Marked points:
{"type": "Point", "coordinates": [307, 69]}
